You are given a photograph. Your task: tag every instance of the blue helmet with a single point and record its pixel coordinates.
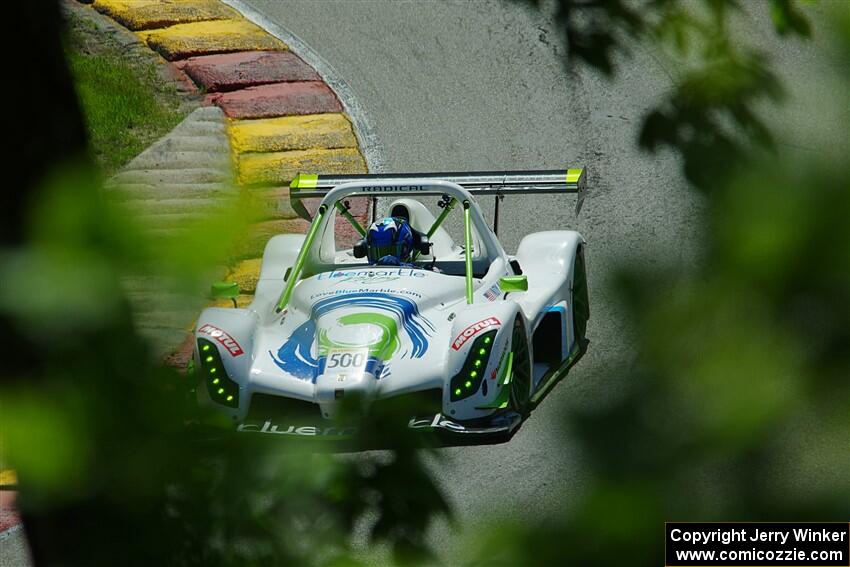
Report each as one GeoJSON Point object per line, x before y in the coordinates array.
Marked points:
{"type": "Point", "coordinates": [391, 236]}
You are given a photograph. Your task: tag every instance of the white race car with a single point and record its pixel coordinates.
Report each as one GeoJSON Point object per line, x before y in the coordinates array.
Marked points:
{"type": "Point", "coordinates": [470, 337]}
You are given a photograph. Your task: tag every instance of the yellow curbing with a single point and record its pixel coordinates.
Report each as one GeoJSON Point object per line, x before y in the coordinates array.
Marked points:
{"type": "Point", "coordinates": [145, 14]}
{"type": "Point", "coordinates": [292, 133]}
{"type": "Point", "coordinates": [242, 301]}
{"type": "Point", "coordinates": [272, 202]}
{"type": "Point", "coordinates": [217, 36]}
{"type": "Point", "coordinates": [245, 273]}
{"type": "Point", "coordinates": [281, 167]}
{"type": "Point", "coordinates": [8, 478]}
{"type": "Point", "coordinates": [252, 246]}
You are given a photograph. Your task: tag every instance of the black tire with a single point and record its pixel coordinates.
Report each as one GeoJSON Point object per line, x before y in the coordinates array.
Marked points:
{"type": "Point", "coordinates": [521, 381]}
{"type": "Point", "coordinates": [581, 302]}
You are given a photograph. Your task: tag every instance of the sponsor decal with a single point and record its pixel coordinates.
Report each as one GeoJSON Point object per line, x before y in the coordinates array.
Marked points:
{"type": "Point", "coordinates": [371, 275]}
{"type": "Point", "coordinates": [364, 290]}
{"type": "Point", "coordinates": [392, 188]}
{"type": "Point", "coordinates": [473, 330]}
{"type": "Point", "coordinates": [304, 430]}
{"type": "Point", "coordinates": [393, 324]}
{"type": "Point", "coordinates": [492, 294]}
{"type": "Point", "coordinates": [226, 340]}
{"type": "Point", "coordinates": [366, 280]}
{"type": "Point", "coordinates": [439, 421]}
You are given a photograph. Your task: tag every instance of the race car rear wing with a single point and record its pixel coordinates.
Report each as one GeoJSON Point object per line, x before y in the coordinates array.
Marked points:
{"type": "Point", "coordinates": [478, 183]}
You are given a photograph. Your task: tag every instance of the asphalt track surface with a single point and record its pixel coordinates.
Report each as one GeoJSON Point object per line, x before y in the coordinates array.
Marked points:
{"type": "Point", "coordinates": [481, 85]}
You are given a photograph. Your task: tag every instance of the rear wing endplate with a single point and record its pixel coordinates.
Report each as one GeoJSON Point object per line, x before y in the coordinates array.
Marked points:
{"type": "Point", "coordinates": [480, 183]}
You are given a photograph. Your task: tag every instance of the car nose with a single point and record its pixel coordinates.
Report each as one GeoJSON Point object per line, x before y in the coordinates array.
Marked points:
{"type": "Point", "coordinates": [336, 386]}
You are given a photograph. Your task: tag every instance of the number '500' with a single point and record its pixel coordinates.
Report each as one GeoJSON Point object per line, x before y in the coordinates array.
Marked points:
{"type": "Point", "coordinates": [345, 360]}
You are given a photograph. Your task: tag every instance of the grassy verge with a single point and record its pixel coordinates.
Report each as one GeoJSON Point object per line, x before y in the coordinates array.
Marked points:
{"type": "Point", "coordinates": [126, 104]}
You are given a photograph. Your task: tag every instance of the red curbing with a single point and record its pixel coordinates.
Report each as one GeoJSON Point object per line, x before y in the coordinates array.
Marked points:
{"type": "Point", "coordinates": [8, 515]}
{"type": "Point", "coordinates": [279, 99]}
{"type": "Point", "coordinates": [232, 71]}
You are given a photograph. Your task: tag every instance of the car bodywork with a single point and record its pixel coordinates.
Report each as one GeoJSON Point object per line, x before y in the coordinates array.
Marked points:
{"type": "Point", "coordinates": [475, 343]}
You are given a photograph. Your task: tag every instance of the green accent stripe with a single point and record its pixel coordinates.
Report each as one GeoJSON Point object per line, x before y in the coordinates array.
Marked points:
{"type": "Point", "coordinates": [301, 181]}
{"type": "Point", "coordinates": [503, 379]}
{"type": "Point", "coordinates": [439, 221]}
{"type": "Point", "coordinates": [302, 256]}
{"type": "Point", "coordinates": [350, 218]}
{"type": "Point", "coordinates": [573, 175]}
{"type": "Point", "coordinates": [555, 376]}
{"type": "Point", "coordinates": [449, 207]}
{"type": "Point", "coordinates": [506, 373]}
{"type": "Point", "coordinates": [467, 231]}
{"type": "Point", "coordinates": [384, 347]}
{"type": "Point", "coordinates": [304, 181]}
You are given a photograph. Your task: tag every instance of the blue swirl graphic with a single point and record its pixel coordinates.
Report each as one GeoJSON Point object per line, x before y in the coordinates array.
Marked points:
{"type": "Point", "coordinates": [294, 355]}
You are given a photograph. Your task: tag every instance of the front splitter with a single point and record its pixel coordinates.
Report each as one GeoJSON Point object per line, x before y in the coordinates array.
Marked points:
{"type": "Point", "coordinates": [501, 425]}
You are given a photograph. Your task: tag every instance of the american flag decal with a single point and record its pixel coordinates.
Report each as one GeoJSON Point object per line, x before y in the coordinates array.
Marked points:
{"type": "Point", "coordinates": [493, 293]}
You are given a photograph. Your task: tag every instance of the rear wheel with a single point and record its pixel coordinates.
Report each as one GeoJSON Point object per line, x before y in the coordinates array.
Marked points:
{"type": "Point", "coordinates": [521, 368]}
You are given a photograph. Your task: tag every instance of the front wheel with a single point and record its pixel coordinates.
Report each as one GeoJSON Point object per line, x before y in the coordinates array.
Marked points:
{"type": "Point", "coordinates": [521, 369]}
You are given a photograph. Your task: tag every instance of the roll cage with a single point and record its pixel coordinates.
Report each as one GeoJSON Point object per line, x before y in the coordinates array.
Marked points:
{"type": "Point", "coordinates": [454, 194]}
{"type": "Point", "coordinates": [454, 188]}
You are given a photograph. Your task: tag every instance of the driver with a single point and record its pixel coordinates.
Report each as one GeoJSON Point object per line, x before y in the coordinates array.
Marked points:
{"type": "Point", "coordinates": [390, 242]}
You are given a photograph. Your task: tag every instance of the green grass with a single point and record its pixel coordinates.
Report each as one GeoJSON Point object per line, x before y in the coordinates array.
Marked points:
{"type": "Point", "coordinates": [125, 103]}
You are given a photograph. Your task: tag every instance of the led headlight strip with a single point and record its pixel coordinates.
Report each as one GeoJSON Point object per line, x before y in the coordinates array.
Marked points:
{"type": "Point", "coordinates": [221, 388]}
{"type": "Point", "coordinates": [468, 380]}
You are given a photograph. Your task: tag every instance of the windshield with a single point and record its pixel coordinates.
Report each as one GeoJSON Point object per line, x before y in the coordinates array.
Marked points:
{"type": "Point", "coordinates": [441, 224]}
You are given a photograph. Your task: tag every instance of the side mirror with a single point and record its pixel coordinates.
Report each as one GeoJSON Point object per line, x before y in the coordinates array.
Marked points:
{"type": "Point", "coordinates": [423, 245]}
{"type": "Point", "coordinates": [360, 249]}
{"type": "Point", "coordinates": [509, 284]}
{"type": "Point", "coordinates": [225, 290]}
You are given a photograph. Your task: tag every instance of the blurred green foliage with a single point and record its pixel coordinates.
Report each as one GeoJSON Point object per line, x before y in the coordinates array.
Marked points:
{"type": "Point", "coordinates": [113, 455]}
{"type": "Point", "coordinates": [737, 408]}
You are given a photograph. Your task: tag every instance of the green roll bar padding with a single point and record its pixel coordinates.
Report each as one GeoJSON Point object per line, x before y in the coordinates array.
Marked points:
{"type": "Point", "coordinates": [350, 218]}
{"type": "Point", "coordinates": [302, 255]}
{"type": "Point", "coordinates": [467, 232]}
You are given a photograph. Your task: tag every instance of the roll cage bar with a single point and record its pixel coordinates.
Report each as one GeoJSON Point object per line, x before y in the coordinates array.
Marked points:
{"type": "Point", "coordinates": [453, 187]}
